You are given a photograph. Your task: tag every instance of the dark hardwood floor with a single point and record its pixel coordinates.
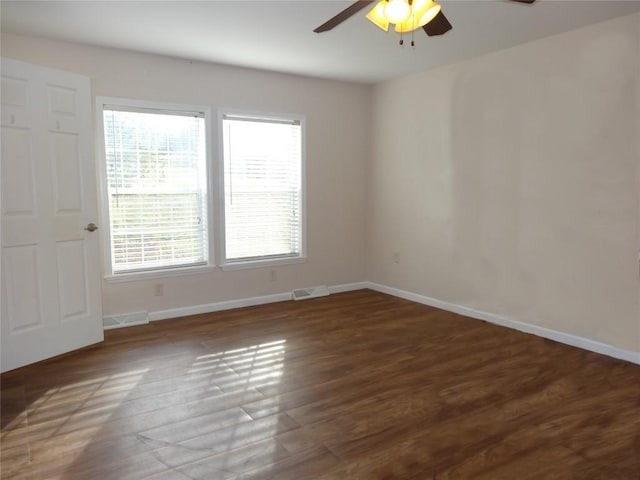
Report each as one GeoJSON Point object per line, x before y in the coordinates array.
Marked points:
{"type": "Point", "coordinates": [358, 385]}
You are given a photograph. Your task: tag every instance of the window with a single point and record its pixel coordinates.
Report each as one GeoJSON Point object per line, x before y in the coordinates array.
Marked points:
{"type": "Point", "coordinates": [263, 198]}
{"type": "Point", "coordinates": [156, 187]}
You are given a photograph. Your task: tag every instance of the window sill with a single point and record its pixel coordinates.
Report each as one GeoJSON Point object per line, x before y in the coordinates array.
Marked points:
{"type": "Point", "coordinates": [155, 274]}
{"type": "Point", "coordinates": [262, 263]}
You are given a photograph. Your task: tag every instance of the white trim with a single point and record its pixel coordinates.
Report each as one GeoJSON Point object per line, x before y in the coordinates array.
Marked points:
{"type": "Point", "coordinates": [156, 274]}
{"type": "Point", "coordinates": [272, 262]}
{"type": "Point", "coordinates": [243, 302]}
{"type": "Point", "coordinates": [562, 337]}
{"type": "Point", "coordinates": [348, 287]}
{"type": "Point", "coordinates": [102, 102]}
{"type": "Point", "coordinates": [220, 207]}
{"type": "Point", "coordinates": [218, 306]}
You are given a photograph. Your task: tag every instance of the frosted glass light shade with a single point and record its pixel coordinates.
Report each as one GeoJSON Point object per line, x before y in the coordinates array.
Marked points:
{"type": "Point", "coordinates": [423, 11]}
{"type": "Point", "coordinates": [427, 13]}
{"type": "Point", "coordinates": [397, 11]}
{"type": "Point", "coordinates": [376, 16]}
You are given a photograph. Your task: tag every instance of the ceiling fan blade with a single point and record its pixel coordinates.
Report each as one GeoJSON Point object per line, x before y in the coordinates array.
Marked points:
{"type": "Point", "coordinates": [343, 15]}
{"type": "Point", "coordinates": [438, 26]}
{"type": "Point", "coordinates": [523, 1]}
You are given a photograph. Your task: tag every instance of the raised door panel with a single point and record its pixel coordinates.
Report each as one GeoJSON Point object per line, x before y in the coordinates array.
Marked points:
{"type": "Point", "coordinates": [18, 193]}
{"type": "Point", "coordinates": [73, 279]}
{"type": "Point", "coordinates": [22, 273]}
{"type": "Point", "coordinates": [67, 188]}
{"type": "Point", "coordinates": [16, 100]}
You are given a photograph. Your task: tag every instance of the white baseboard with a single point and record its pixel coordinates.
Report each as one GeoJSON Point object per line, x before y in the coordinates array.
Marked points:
{"type": "Point", "coordinates": [562, 337]}
{"type": "Point", "coordinates": [348, 287]}
{"type": "Point", "coordinates": [558, 336]}
{"type": "Point", "coordinates": [218, 306]}
{"type": "Point", "coordinates": [242, 302]}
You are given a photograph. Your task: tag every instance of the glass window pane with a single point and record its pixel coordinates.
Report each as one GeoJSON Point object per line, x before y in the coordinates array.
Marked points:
{"type": "Point", "coordinates": [157, 189]}
{"type": "Point", "coordinates": [263, 189]}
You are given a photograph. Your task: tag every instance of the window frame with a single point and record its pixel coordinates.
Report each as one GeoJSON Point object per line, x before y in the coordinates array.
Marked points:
{"type": "Point", "coordinates": [132, 104]}
{"type": "Point", "coordinates": [220, 207]}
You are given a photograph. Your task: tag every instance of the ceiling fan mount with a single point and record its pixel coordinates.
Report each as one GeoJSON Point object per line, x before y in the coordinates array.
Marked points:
{"type": "Point", "coordinates": [425, 14]}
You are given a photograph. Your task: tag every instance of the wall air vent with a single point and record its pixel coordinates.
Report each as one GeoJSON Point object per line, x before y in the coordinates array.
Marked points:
{"type": "Point", "coordinates": [311, 292]}
{"type": "Point", "coordinates": [125, 320]}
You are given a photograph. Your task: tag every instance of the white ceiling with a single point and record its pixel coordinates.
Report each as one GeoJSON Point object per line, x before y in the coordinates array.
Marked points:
{"type": "Point", "coordinates": [278, 35]}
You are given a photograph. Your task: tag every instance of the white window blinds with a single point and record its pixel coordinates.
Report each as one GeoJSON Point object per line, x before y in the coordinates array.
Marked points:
{"type": "Point", "coordinates": [157, 188]}
{"type": "Point", "coordinates": [262, 188]}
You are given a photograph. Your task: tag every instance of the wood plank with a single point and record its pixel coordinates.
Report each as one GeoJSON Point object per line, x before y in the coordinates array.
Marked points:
{"type": "Point", "coordinates": [358, 385]}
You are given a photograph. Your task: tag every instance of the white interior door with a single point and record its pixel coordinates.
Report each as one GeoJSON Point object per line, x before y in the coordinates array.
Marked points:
{"type": "Point", "coordinates": [51, 298]}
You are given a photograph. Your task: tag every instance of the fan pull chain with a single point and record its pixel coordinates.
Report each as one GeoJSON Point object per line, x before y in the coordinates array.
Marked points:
{"type": "Point", "coordinates": [413, 44]}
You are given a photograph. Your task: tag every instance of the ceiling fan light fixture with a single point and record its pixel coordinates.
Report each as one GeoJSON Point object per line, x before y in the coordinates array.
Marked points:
{"type": "Point", "coordinates": [376, 16]}
{"type": "Point", "coordinates": [408, 26]}
{"type": "Point", "coordinates": [428, 12]}
{"type": "Point", "coordinates": [397, 11]}
{"type": "Point", "coordinates": [422, 12]}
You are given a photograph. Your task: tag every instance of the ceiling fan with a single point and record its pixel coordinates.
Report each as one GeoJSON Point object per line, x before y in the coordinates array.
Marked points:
{"type": "Point", "coordinates": [407, 15]}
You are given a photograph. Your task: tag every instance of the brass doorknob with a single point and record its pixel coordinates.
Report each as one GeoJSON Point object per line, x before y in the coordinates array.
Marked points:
{"type": "Point", "coordinates": [92, 227]}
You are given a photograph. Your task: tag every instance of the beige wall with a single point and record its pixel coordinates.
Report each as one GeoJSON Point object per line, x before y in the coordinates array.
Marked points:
{"type": "Point", "coordinates": [508, 183]}
{"type": "Point", "coordinates": [337, 115]}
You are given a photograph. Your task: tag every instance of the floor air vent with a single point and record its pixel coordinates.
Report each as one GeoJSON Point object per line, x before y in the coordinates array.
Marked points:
{"type": "Point", "coordinates": [125, 320]}
{"type": "Point", "coordinates": [311, 292]}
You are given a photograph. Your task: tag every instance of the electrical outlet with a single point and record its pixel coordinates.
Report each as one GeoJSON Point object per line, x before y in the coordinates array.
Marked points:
{"type": "Point", "coordinates": [158, 289]}
{"type": "Point", "coordinates": [396, 257]}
